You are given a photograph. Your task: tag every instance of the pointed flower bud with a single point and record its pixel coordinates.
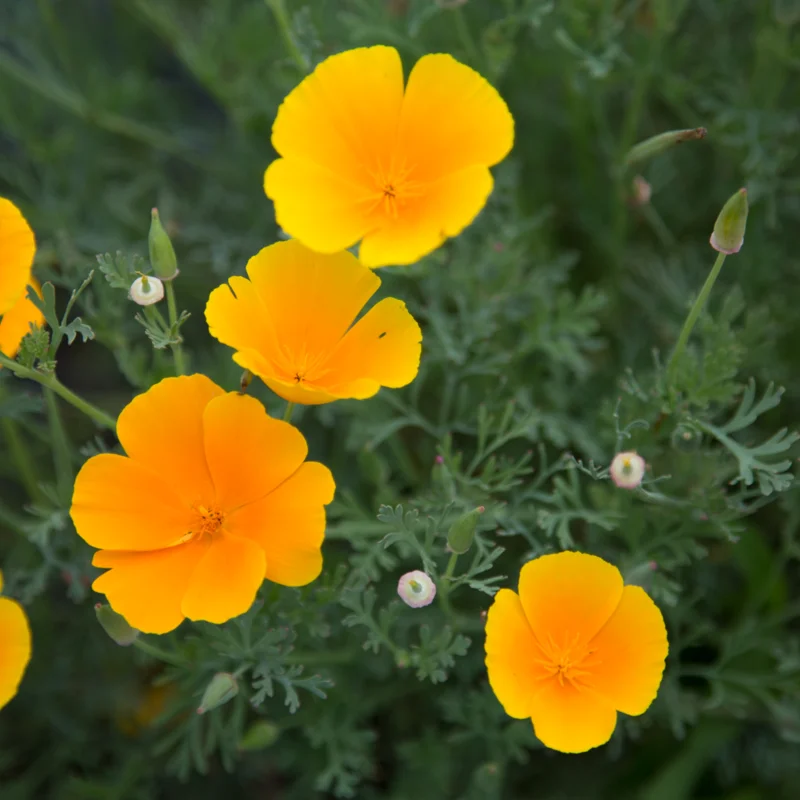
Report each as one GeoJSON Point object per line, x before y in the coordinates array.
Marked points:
{"type": "Point", "coordinates": [146, 290]}
{"type": "Point", "coordinates": [462, 531]}
{"type": "Point", "coordinates": [728, 235]}
{"type": "Point", "coordinates": [115, 625]}
{"type": "Point", "coordinates": [162, 254]}
{"type": "Point", "coordinates": [259, 735]}
{"type": "Point", "coordinates": [627, 470]}
{"type": "Point", "coordinates": [657, 144]}
{"type": "Point", "coordinates": [221, 688]}
{"type": "Point", "coordinates": [416, 589]}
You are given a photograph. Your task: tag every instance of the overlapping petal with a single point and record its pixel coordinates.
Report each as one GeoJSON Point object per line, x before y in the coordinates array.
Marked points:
{"type": "Point", "coordinates": [15, 646]}
{"type": "Point", "coordinates": [17, 249]}
{"type": "Point", "coordinates": [289, 525]}
{"type": "Point", "coordinates": [401, 168]}
{"type": "Point", "coordinates": [631, 649]}
{"type": "Point", "coordinates": [162, 430]}
{"type": "Point", "coordinates": [17, 321]}
{"type": "Point", "coordinates": [301, 343]}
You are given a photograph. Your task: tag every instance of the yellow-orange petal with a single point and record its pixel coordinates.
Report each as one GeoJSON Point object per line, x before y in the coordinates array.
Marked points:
{"type": "Point", "coordinates": [568, 597]}
{"type": "Point", "coordinates": [630, 651]}
{"type": "Point", "coordinates": [452, 118]}
{"type": "Point", "coordinates": [513, 657]}
{"type": "Point", "coordinates": [148, 588]}
{"type": "Point", "coordinates": [289, 524]}
{"type": "Point", "coordinates": [162, 429]}
{"type": "Point", "coordinates": [571, 720]}
{"type": "Point", "coordinates": [383, 347]}
{"type": "Point", "coordinates": [249, 453]}
{"type": "Point", "coordinates": [119, 504]}
{"type": "Point", "coordinates": [17, 249]}
{"type": "Point", "coordinates": [226, 580]}
{"type": "Point", "coordinates": [17, 321]}
{"type": "Point", "coordinates": [445, 208]}
{"type": "Point", "coordinates": [15, 648]}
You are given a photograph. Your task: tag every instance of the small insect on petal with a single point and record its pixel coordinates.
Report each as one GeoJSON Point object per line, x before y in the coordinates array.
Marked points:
{"type": "Point", "coordinates": [416, 589]}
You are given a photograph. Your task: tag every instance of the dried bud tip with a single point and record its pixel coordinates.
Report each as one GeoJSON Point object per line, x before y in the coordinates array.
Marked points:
{"type": "Point", "coordinates": [440, 459]}
{"type": "Point", "coordinates": [728, 234]}
{"type": "Point", "coordinates": [416, 589]}
{"type": "Point", "coordinates": [627, 470]}
{"type": "Point", "coordinates": [642, 191]}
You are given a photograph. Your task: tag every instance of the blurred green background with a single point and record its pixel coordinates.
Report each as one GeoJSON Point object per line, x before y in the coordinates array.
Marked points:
{"type": "Point", "coordinates": [110, 107]}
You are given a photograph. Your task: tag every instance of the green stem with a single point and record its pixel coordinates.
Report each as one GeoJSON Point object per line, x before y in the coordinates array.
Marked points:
{"type": "Point", "coordinates": [287, 415]}
{"type": "Point", "coordinates": [20, 455]}
{"type": "Point", "coordinates": [159, 653]}
{"type": "Point", "coordinates": [694, 315]}
{"type": "Point", "coordinates": [465, 35]}
{"type": "Point", "coordinates": [444, 589]}
{"type": "Point", "coordinates": [177, 350]}
{"type": "Point", "coordinates": [51, 382]}
{"type": "Point", "coordinates": [60, 445]}
{"type": "Point", "coordinates": [285, 27]}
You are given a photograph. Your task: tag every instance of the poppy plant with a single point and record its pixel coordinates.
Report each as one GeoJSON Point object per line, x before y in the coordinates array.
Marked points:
{"type": "Point", "coordinates": [399, 169]}
{"type": "Point", "coordinates": [292, 324]}
{"type": "Point", "coordinates": [212, 497]}
{"type": "Point", "coordinates": [17, 249]}
{"type": "Point", "coordinates": [573, 648]}
{"type": "Point", "coordinates": [15, 646]}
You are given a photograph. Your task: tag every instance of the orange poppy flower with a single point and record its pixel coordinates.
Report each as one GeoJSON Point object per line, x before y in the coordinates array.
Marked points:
{"type": "Point", "coordinates": [15, 646]}
{"type": "Point", "coordinates": [292, 325]}
{"type": "Point", "coordinates": [17, 249]}
{"type": "Point", "coordinates": [573, 648]}
{"type": "Point", "coordinates": [400, 170]}
{"type": "Point", "coordinates": [213, 497]}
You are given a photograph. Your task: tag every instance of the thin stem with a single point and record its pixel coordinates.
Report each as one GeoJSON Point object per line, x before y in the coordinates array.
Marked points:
{"type": "Point", "coordinates": [159, 653]}
{"type": "Point", "coordinates": [20, 455]}
{"type": "Point", "coordinates": [465, 35]}
{"type": "Point", "coordinates": [444, 589]}
{"type": "Point", "coordinates": [60, 444]}
{"type": "Point", "coordinates": [177, 350]}
{"type": "Point", "coordinates": [694, 315]}
{"type": "Point", "coordinates": [51, 382]}
{"type": "Point", "coordinates": [285, 27]}
{"type": "Point", "coordinates": [287, 415]}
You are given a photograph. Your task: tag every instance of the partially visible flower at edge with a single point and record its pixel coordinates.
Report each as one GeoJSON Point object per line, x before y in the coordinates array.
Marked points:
{"type": "Point", "coordinates": [573, 648]}
{"type": "Point", "coordinates": [416, 589]}
{"type": "Point", "coordinates": [292, 323]}
{"type": "Point", "coordinates": [627, 470]}
{"type": "Point", "coordinates": [15, 646]}
{"type": "Point", "coordinates": [399, 169]}
{"type": "Point", "coordinates": [194, 518]}
{"type": "Point", "coordinates": [17, 249]}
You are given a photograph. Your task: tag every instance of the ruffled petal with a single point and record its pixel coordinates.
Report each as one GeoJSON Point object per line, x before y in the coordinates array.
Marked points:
{"type": "Point", "coordinates": [226, 580]}
{"type": "Point", "coordinates": [248, 451]}
{"type": "Point", "coordinates": [162, 430]}
{"type": "Point", "coordinates": [118, 504]}
{"type": "Point", "coordinates": [443, 209]}
{"type": "Point", "coordinates": [452, 118]}
{"type": "Point", "coordinates": [630, 651]}
{"type": "Point", "coordinates": [513, 657]}
{"type": "Point", "coordinates": [568, 597]}
{"type": "Point", "coordinates": [148, 588]}
{"type": "Point", "coordinates": [17, 249]}
{"type": "Point", "coordinates": [571, 720]}
{"type": "Point", "coordinates": [383, 347]}
{"type": "Point", "coordinates": [17, 321]}
{"type": "Point", "coordinates": [15, 648]}
{"type": "Point", "coordinates": [289, 524]}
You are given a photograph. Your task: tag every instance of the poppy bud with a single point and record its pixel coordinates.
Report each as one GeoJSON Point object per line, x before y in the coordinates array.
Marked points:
{"type": "Point", "coordinates": [728, 235]}
{"type": "Point", "coordinates": [657, 144]}
{"type": "Point", "coordinates": [462, 531]}
{"type": "Point", "coordinates": [146, 290]}
{"type": "Point", "coordinates": [115, 625]}
{"type": "Point", "coordinates": [259, 735]}
{"type": "Point", "coordinates": [162, 254]}
{"type": "Point", "coordinates": [221, 688]}
{"type": "Point", "coordinates": [627, 470]}
{"type": "Point", "coordinates": [416, 589]}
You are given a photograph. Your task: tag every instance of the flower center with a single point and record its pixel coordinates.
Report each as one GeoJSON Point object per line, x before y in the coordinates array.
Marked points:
{"type": "Point", "coordinates": [394, 188]}
{"type": "Point", "coordinates": [207, 523]}
{"type": "Point", "coordinates": [569, 663]}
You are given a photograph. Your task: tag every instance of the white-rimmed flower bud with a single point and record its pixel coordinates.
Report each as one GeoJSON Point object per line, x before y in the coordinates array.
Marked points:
{"type": "Point", "coordinates": [146, 290]}
{"type": "Point", "coordinates": [416, 589]}
{"type": "Point", "coordinates": [627, 470]}
{"type": "Point", "coordinates": [728, 235]}
{"type": "Point", "coordinates": [221, 688]}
